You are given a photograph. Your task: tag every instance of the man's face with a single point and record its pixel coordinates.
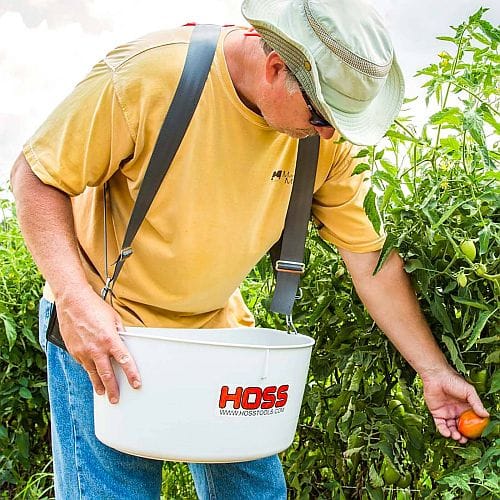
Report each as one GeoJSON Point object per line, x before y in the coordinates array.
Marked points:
{"type": "Point", "coordinates": [284, 108]}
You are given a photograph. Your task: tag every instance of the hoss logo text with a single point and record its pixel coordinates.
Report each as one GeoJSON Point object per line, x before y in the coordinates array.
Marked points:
{"type": "Point", "coordinates": [253, 398]}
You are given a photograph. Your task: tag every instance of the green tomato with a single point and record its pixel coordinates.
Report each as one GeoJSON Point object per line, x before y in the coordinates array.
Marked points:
{"type": "Point", "coordinates": [404, 481]}
{"type": "Point", "coordinates": [468, 249]}
{"type": "Point", "coordinates": [479, 379]}
{"type": "Point", "coordinates": [461, 279]}
{"type": "Point", "coordinates": [389, 473]}
{"type": "Point", "coordinates": [396, 407]}
{"type": "Point", "coordinates": [411, 420]}
{"type": "Point", "coordinates": [480, 270]}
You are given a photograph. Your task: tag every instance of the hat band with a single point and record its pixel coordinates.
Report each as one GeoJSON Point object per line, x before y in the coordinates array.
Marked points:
{"type": "Point", "coordinates": [348, 57]}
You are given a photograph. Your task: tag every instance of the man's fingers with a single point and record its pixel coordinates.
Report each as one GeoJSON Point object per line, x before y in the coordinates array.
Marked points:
{"type": "Point", "coordinates": [476, 403]}
{"type": "Point", "coordinates": [95, 379]}
{"type": "Point", "coordinates": [442, 427]}
{"type": "Point", "coordinates": [127, 363]}
{"type": "Point", "coordinates": [107, 376]}
{"type": "Point", "coordinates": [448, 429]}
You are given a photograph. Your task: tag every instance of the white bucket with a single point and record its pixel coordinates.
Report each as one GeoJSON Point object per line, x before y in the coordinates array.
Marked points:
{"type": "Point", "coordinates": [221, 395]}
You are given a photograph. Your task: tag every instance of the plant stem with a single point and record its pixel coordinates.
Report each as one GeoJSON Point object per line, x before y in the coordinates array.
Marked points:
{"type": "Point", "coordinates": [445, 100]}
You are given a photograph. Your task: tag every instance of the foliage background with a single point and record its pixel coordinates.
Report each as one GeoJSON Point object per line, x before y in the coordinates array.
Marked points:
{"type": "Point", "coordinates": [364, 430]}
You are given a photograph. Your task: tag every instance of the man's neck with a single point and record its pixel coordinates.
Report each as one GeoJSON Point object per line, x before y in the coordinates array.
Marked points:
{"type": "Point", "coordinates": [243, 55]}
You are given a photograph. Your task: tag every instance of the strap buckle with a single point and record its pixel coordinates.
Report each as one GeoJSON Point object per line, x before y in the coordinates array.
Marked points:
{"type": "Point", "coordinates": [290, 266]}
{"type": "Point", "coordinates": [125, 253]}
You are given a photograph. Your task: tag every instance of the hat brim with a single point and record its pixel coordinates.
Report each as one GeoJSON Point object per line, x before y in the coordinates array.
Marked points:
{"type": "Point", "coordinates": [368, 126]}
{"type": "Point", "coordinates": [365, 127]}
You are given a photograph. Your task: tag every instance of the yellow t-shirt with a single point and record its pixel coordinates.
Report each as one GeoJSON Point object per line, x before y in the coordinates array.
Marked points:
{"type": "Point", "coordinates": [222, 204]}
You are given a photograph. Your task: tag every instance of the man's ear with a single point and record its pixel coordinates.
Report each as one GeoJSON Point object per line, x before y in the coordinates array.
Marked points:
{"type": "Point", "coordinates": [275, 67]}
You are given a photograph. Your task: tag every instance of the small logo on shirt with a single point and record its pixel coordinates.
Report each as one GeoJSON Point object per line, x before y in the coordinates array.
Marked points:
{"type": "Point", "coordinates": [282, 175]}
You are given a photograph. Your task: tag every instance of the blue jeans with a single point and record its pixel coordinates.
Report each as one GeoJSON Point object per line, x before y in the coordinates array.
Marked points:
{"type": "Point", "coordinates": [87, 469]}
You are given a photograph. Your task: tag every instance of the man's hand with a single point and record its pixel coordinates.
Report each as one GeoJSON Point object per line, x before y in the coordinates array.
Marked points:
{"type": "Point", "coordinates": [89, 327]}
{"type": "Point", "coordinates": [447, 396]}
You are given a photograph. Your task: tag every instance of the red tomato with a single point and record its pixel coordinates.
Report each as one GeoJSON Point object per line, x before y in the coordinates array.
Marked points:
{"type": "Point", "coordinates": [471, 425]}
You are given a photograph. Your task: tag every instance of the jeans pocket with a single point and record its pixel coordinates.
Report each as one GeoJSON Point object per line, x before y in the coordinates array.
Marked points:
{"type": "Point", "coordinates": [44, 311]}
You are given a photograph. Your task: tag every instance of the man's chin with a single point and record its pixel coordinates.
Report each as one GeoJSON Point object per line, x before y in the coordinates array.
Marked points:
{"type": "Point", "coordinates": [298, 133]}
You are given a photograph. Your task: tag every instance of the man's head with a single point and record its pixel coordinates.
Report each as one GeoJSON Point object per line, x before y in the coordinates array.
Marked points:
{"type": "Point", "coordinates": [287, 108]}
{"type": "Point", "coordinates": [342, 58]}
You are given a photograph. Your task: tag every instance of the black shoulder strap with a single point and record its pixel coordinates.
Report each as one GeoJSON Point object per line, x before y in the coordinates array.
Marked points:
{"type": "Point", "coordinates": [196, 67]}
{"type": "Point", "coordinates": [288, 253]}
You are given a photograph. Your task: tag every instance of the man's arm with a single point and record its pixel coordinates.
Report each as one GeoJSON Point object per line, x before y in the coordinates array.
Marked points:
{"type": "Point", "coordinates": [88, 324]}
{"type": "Point", "coordinates": [391, 301]}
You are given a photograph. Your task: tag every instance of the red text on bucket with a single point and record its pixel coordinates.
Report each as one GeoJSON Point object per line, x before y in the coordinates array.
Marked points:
{"type": "Point", "coordinates": [253, 398]}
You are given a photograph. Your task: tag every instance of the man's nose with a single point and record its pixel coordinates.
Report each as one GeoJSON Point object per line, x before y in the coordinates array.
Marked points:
{"type": "Point", "coordinates": [325, 132]}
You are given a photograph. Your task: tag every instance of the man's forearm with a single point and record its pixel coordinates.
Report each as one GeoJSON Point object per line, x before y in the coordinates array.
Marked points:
{"type": "Point", "coordinates": [46, 221]}
{"type": "Point", "coordinates": [88, 325]}
{"type": "Point", "coordinates": [391, 301]}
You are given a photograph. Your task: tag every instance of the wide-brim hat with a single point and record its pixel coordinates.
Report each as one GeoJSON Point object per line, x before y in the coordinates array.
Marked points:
{"type": "Point", "coordinates": [341, 54]}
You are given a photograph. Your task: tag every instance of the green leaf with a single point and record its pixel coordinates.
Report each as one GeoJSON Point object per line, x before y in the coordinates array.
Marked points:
{"type": "Point", "coordinates": [319, 310]}
{"type": "Point", "coordinates": [446, 39]}
{"type": "Point", "coordinates": [413, 264]}
{"type": "Point", "coordinates": [10, 330]}
{"type": "Point", "coordinates": [360, 168]}
{"type": "Point", "coordinates": [25, 393]}
{"type": "Point", "coordinates": [484, 239]}
{"type": "Point", "coordinates": [23, 444]}
{"type": "Point", "coordinates": [450, 143]}
{"type": "Point", "coordinates": [456, 480]}
{"type": "Point", "coordinates": [452, 349]}
{"type": "Point", "coordinates": [370, 206]}
{"type": "Point", "coordinates": [448, 213]}
{"type": "Point", "coordinates": [488, 117]}
{"type": "Point", "coordinates": [493, 358]}
{"type": "Point", "coordinates": [390, 244]}
{"type": "Point", "coordinates": [375, 478]}
{"type": "Point", "coordinates": [398, 135]}
{"type": "Point", "coordinates": [358, 419]}
{"type": "Point", "coordinates": [490, 31]}
{"type": "Point", "coordinates": [484, 316]}
{"type": "Point", "coordinates": [440, 314]}
{"type": "Point", "coordinates": [362, 153]}
{"type": "Point", "coordinates": [488, 456]}
{"type": "Point", "coordinates": [474, 125]}
{"type": "Point", "coordinates": [448, 116]}
{"type": "Point", "coordinates": [386, 449]}
{"type": "Point", "coordinates": [495, 383]}
{"type": "Point", "coordinates": [471, 303]}
{"type": "Point", "coordinates": [29, 335]}
{"type": "Point", "coordinates": [471, 453]}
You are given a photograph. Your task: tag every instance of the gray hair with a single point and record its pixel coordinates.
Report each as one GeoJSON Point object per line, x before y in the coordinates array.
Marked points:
{"type": "Point", "coordinates": [291, 83]}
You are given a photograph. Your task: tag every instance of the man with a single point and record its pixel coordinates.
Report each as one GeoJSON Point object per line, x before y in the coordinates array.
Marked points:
{"type": "Point", "coordinates": [327, 68]}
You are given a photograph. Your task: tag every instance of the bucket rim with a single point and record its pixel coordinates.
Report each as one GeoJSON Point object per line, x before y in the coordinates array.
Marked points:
{"type": "Point", "coordinates": [309, 343]}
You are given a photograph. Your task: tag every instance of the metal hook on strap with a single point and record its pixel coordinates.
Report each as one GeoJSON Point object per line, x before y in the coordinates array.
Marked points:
{"type": "Point", "coordinates": [290, 327]}
{"type": "Point", "coordinates": [108, 287]}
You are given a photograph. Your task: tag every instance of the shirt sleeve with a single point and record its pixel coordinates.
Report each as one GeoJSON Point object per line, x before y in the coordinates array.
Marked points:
{"type": "Point", "coordinates": [84, 140]}
{"type": "Point", "coordinates": [338, 204]}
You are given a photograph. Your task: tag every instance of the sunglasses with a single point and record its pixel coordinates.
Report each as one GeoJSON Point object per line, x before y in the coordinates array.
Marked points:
{"type": "Point", "coordinates": [316, 119]}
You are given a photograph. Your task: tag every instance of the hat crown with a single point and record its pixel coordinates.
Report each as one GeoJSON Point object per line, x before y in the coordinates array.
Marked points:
{"type": "Point", "coordinates": [354, 32]}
